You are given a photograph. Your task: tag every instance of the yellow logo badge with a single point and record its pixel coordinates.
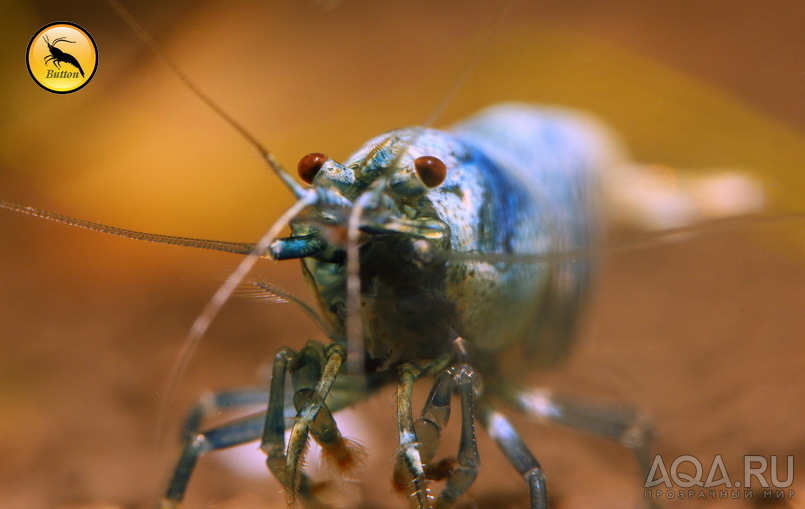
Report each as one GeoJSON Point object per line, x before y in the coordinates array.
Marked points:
{"type": "Point", "coordinates": [62, 57]}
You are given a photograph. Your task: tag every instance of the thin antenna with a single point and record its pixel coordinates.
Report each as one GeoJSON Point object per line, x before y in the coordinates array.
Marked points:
{"type": "Point", "coordinates": [644, 241]}
{"type": "Point", "coordinates": [214, 305]}
{"type": "Point", "coordinates": [481, 41]}
{"type": "Point", "coordinates": [215, 245]}
{"type": "Point", "coordinates": [273, 293]}
{"type": "Point", "coordinates": [265, 154]}
{"type": "Point", "coordinates": [304, 197]}
{"type": "Point", "coordinates": [354, 324]}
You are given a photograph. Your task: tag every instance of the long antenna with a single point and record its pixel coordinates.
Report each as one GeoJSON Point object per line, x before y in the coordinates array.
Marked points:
{"type": "Point", "coordinates": [481, 41]}
{"type": "Point", "coordinates": [215, 245]}
{"type": "Point", "coordinates": [641, 242]}
{"type": "Point", "coordinates": [267, 157]}
{"type": "Point", "coordinates": [213, 307]}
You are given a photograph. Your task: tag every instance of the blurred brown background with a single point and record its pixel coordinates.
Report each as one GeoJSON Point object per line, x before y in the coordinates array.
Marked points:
{"type": "Point", "coordinates": [705, 335]}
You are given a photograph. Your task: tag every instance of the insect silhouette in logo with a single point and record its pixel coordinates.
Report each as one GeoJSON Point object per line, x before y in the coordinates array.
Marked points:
{"type": "Point", "coordinates": [57, 56]}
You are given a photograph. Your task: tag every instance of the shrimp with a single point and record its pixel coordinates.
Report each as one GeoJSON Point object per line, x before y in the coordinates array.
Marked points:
{"type": "Point", "coordinates": [58, 56]}
{"type": "Point", "coordinates": [625, 357]}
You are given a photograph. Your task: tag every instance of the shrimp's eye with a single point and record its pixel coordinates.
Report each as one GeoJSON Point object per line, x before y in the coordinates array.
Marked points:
{"type": "Point", "coordinates": [431, 170]}
{"type": "Point", "coordinates": [310, 165]}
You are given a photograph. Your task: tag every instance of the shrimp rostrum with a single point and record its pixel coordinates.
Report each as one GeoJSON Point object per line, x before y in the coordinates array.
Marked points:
{"type": "Point", "coordinates": [445, 255]}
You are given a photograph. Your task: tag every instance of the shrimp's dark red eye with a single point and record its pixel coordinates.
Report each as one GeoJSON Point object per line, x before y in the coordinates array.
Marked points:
{"type": "Point", "coordinates": [310, 165]}
{"type": "Point", "coordinates": [431, 170]}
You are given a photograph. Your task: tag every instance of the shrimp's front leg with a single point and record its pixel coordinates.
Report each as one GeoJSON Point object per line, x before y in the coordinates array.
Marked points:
{"type": "Point", "coordinates": [409, 473]}
{"type": "Point", "coordinates": [467, 460]}
{"type": "Point", "coordinates": [518, 454]}
{"type": "Point", "coordinates": [314, 372]}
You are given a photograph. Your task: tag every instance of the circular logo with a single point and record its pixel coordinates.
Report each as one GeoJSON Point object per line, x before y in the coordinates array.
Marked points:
{"type": "Point", "coordinates": [62, 57]}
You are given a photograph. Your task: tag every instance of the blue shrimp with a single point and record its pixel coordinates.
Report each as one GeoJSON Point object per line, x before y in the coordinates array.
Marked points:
{"type": "Point", "coordinates": [471, 259]}
{"type": "Point", "coordinates": [450, 228]}
{"type": "Point", "coordinates": [461, 256]}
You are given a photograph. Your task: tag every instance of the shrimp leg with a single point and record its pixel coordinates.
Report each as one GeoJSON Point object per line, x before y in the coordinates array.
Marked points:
{"type": "Point", "coordinates": [623, 425]}
{"type": "Point", "coordinates": [309, 401]}
{"type": "Point", "coordinates": [518, 454]}
{"type": "Point", "coordinates": [228, 435]}
{"type": "Point", "coordinates": [468, 460]}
